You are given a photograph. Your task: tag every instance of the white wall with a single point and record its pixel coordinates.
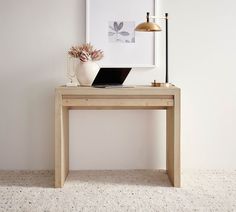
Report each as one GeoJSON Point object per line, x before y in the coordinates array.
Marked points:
{"type": "Point", "coordinates": [203, 64]}
{"type": "Point", "coordinates": [34, 38]}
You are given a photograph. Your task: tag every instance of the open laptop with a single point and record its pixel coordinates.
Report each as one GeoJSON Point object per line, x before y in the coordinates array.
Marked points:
{"type": "Point", "coordinates": [111, 77]}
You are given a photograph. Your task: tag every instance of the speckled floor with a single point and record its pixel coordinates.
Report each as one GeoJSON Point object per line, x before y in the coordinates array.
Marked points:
{"type": "Point", "coordinates": [143, 191]}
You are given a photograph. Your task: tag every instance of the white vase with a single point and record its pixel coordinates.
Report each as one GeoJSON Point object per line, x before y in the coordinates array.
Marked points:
{"type": "Point", "coordinates": [86, 72]}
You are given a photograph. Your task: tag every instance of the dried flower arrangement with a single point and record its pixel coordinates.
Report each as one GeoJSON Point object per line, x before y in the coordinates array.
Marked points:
{"type": "Point", "coordinates": [86, 52]}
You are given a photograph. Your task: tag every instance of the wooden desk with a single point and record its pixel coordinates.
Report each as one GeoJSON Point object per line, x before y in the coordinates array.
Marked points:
{"type": "Point", "coordinates": [142, 97]}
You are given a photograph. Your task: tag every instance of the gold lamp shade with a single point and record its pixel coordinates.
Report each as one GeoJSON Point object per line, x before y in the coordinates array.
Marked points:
{"type": "Point", "coordinates": [148, 27]}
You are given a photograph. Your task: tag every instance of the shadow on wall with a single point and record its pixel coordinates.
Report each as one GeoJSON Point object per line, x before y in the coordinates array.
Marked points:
{"type": "Point", "coordinates": [157, 139]}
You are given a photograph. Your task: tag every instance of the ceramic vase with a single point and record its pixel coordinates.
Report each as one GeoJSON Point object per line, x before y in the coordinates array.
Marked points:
{"type": "Point", "coordinates": [86, 72]}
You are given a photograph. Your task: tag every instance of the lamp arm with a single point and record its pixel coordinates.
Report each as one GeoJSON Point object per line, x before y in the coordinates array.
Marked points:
{"type": "Point", "coordinates": [161, 18]}
{"type": "Point", "coordinates": [156, 17]}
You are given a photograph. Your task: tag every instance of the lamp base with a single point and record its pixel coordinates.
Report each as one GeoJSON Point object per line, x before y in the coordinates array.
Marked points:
{"type": "Point", "coordinates": [161, 84]}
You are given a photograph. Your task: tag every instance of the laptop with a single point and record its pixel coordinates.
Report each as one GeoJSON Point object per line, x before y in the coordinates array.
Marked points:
{"type": "Point", "coordinates": [110, 77]}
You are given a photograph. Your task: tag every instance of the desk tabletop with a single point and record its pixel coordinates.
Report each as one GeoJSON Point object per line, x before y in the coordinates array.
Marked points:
{"type": "Point", "coordinates": [132, 90]}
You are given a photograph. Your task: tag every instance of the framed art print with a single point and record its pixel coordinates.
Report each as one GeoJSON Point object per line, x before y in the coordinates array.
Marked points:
{"type": "Point", "coordinates": [110, 26]}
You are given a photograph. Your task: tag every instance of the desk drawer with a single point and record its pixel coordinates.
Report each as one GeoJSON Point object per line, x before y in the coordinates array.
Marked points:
{"type": "Point", "coordinates": [118, 103]}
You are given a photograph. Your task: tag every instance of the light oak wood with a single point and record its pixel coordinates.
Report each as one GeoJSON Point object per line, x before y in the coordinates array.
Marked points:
{"type": "Point", "coordinates": [117, 102]}
{"type": "Point", "coordinates": [138, 90]}
{"type": "Point", "coordinates": [61, 142]}
{"type": "Point", "coordinates": [141, 97]}
{"type": "Point", "coordinates": [173, 142]}
{"type": "Point", "coordinates": [117, 97]}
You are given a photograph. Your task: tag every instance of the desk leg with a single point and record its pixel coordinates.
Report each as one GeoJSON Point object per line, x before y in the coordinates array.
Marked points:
{"type": "Point", "coordinates": [173, 143]}
{"type": "Point", "coordinates": [61, 142]}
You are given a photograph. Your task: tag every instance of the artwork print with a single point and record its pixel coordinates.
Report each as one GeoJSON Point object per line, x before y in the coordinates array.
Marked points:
{"type": "Point", "coordinates": [110, 26]}
{"type": "Point", "coordinates": [121, 31]}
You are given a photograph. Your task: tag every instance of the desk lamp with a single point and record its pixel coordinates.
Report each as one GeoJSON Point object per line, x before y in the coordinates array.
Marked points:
{"type": "Point", "coordinates": [153, 27]}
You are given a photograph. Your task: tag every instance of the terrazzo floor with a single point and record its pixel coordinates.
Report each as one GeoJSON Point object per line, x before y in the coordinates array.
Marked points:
{"type": "Point", "coordinates": [137, 190]}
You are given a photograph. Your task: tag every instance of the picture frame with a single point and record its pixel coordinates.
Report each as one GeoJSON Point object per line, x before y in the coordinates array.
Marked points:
{"type": "Point", "coordinates": [110, 27]}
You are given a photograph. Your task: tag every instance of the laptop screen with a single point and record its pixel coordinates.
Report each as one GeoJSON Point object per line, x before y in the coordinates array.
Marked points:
{"type": "Point", "coordinates": [111, 76]}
